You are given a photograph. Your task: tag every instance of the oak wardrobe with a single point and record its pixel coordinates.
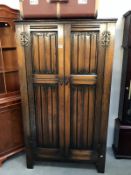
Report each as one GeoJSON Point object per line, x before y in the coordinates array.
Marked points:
{"type": "Point", "coordinates": [65, 73]}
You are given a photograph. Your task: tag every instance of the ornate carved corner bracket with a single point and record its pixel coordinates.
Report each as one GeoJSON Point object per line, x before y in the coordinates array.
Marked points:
{"type": "Point", "coordinates": [105, 38]}
{"type": "Point", "coordinates": [24, 39]}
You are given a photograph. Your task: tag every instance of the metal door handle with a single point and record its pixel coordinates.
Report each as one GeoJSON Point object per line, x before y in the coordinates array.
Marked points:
{"type": "Point", "coordinates": [129, 95]}
{"type": "Point", "coordinates": [61, 81]}
{"type": "Point", "coordinates": [66, 80]}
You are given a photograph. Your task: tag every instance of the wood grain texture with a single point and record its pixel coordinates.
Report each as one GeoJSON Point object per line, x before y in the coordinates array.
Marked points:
{"type": "Point", "coordinates": [84, 52]}
{"type": "Point", "coordinates": [45, 78]}
{"type": "Point", "coordinates": [107, 83]}
{"type": "Point", "coordinates": [82, 117]}
{"type": "Point", "coordinates": [39, 113]}
{"type": "Point", "coordinates": [31, 98]}
{"type": "Point", "coordinates": [83, 80]}
{"type": "Point", "coordinates": [91, 116]}
{"type": "Point", "coordinates": [45, 52]}
{"type": "Point", "coordinates": [106, 98]}
{"type": "Point", "coordinates": [67, 87]}
{"type": "Point", "coordinates": [61, 69]}
{"type": "Point", "coordinates": [99, 87]}
{"type": "Point", "coordinates": [47, 117]}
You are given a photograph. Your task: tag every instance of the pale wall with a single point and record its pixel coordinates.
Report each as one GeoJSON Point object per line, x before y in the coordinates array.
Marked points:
{"type": "Point", "coordinates": [107, 9]}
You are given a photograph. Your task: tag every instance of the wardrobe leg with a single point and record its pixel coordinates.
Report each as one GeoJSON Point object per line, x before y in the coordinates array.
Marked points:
{"type": "Point", "coordinates": [100, 165]}
{"type": "Point", "coordinates": [29, 160]}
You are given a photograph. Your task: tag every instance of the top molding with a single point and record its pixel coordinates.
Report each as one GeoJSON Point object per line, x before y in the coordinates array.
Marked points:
{"type": "Point", "coordinates": [8, 13]}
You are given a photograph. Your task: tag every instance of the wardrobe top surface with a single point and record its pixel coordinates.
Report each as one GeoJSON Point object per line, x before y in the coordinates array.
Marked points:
{"type": "Point", "coordinates": [66, 20]}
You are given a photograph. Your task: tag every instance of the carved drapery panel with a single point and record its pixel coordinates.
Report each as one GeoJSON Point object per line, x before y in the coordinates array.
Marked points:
{"type": "Point", "coordinates": [24, 39]}
{"type": "Point", "coordinates": [105, 39]}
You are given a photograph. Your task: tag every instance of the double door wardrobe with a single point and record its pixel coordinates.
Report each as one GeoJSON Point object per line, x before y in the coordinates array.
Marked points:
{"type": "Point", "coordinates": [65, 74]}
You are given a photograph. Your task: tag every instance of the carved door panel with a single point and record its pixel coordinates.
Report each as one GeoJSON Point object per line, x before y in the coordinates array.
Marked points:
{"type": "Point", "coordinates": [45, 74]}
{"type": "Point", "coordinates": [84, 65]}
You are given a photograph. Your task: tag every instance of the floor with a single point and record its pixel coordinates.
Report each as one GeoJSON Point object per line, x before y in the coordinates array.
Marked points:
{"type": "Point", "coordinates": [17, 166]}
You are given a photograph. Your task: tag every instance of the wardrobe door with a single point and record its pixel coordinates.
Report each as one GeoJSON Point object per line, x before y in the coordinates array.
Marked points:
{"type": "Point", "coordinates": [45, 72]}
{"type": "Point", "coordinates": [84, 66]}
{"type": "Point", "coordinates": [48, 87]}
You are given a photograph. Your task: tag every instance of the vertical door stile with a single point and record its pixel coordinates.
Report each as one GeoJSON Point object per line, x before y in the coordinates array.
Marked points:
{"type": "Point", "coordinates": [99, 89]}
{"type": "Point", "coordinates": [67, 86]}
{"type": "Point", "coordinates": [28, 57]}
{"type": "Point", "coordinates": [24, 95]}
{"type": "Point", "coordinates": [23, 87]}
{"type": "Point", "coordinates": [106, 86]}
{"type": "Point", "coordinates": [61, 87]}
{"type": "Point", "coordinates": [41, 89]}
